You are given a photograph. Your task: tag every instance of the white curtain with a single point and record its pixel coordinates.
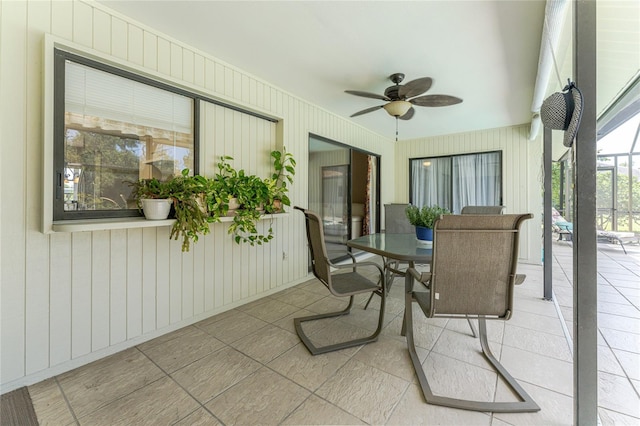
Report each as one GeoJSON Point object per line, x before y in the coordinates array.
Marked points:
{"type": "Point", "coordinates": [371, 194]}
{"type": "Point", "coordinates": [476, 180]}
{"type": "Point", "coordinates": [457, 181]}
{"type": "Point", "coordinates": [431, 181]}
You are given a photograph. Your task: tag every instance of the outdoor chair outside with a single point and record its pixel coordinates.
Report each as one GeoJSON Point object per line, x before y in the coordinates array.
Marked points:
{"type": "Point", "coordinates": [565, 229]}
{"type": "Point", "coordinates": [473, 273]}
{"type": "Point", "coordinates": [340, 284]}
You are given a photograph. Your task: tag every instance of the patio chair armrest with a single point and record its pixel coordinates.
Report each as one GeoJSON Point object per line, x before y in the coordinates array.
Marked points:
{"type": "Point", "coordinates": [413, 274]}
{"type": "Point", "coordinates": [419, 276]}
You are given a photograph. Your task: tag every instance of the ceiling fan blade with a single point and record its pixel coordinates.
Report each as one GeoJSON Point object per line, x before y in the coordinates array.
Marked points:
{"type": "Point", "coordinates": [367, 95]}
{"type": "Point", "coordinates": [435, 100]}
{"type": "Point", "coordinates": [408, 115]}
{"type": "Point", "coordinates": [365, 111]}
{"type": "Point", "coordinates": [415, 87]}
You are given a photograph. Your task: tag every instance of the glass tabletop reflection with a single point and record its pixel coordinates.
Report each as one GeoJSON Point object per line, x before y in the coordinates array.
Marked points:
{"type": "Point", "coordinates": [395, 246]}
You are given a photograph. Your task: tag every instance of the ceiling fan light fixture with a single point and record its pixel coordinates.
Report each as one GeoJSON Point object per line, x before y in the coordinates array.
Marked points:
{"type": "Point", "coordinates": [397, 108]}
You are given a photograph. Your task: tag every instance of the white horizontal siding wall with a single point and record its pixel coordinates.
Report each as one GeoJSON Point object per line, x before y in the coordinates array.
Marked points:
{"type": "Point", "coordinates": [70, 298]}
{"type": "Point", "coordinates": [521, 172]}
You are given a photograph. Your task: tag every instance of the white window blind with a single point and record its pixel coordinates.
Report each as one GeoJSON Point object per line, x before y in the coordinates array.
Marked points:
{"type": "Point", "coordinates": [95, 93]}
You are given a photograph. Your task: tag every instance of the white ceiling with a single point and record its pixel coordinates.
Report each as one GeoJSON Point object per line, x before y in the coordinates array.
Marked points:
{"type": "Point", "coordinates": [485, 52]}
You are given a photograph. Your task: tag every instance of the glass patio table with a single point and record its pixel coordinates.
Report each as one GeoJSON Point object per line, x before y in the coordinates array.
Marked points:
{"type": "Point", "coordinates": [401, 247]}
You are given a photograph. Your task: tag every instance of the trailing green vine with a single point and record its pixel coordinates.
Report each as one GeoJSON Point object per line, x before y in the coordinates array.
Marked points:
{"type": "Point", "coordinates": [198, 201]}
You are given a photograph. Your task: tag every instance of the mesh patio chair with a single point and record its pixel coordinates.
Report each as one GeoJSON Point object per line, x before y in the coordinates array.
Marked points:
{"type": "Point", "coordinates": [346, 284]}
{"type": "Point", "coordinates": [490, 210]}
{"type": "Point", "coordinates": [564, 229]}
{"type": "Point", "coordinates": [473, 273]}
{"type": "Point", "coordinates": [395, 222]}
{"type": "Point", "coordinates": [482, 210]}
{"type": "Point", "coordinates": [395, 219]}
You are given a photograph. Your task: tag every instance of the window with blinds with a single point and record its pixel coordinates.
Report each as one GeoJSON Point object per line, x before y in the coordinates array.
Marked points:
{"type": "Point", "coordinates": [113, 127]}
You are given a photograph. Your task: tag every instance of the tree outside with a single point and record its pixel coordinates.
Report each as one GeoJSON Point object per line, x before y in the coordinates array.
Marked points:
{"type": "Point", "coordinates": [99, 166]}
{"type": "Point", "coordinates": [627, 193]}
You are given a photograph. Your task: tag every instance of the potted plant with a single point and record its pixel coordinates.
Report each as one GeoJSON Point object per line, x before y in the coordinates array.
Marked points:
{"type": "Point", "coordinates": [187, 195]}
{"type": "Point", "coordinates": [222, 199]}
{"type": "Point", "coordinates": [152, 198]}
{"type": "Point", "coordinates": [251, 193]}
{"type": "Point", "coordinates": [189, 202]}
{"type": "Point", "coordinates": [424, 218]}
{"type": "Point", "coordinates": [283, 171]}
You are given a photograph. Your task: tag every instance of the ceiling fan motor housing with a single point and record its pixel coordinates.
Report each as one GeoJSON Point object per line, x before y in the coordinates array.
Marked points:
{"type": "Point", "coordinates": [396, 78]}
{"type": "Point", "coordinates": [391, 92]}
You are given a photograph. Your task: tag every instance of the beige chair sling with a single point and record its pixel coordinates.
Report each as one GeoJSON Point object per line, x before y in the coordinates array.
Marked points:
{"type": "Point", "coordinates": [395, 219]}
{"type": "Point", "coordinates": [489, 210]}
{"type": "Point", "coordinates": [473, 272]}
{"type": "Point", "coordinates": [395, 222]}
{"type": "Point", "coordinates": [482, 210]}
{"type": "Point", "coordinates": [340, 284]}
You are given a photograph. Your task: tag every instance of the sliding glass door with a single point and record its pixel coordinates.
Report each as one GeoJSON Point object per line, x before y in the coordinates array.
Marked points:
{"type": "Point", "coordinates": [335, 203]}
{"type": "Point", "coordinates": [457, 181]}
{"type": "Point", "coordinates": [344, 191]}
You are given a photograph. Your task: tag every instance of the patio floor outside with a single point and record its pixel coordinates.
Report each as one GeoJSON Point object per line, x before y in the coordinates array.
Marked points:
{"type": "Point", "coordinates": [247, 366]}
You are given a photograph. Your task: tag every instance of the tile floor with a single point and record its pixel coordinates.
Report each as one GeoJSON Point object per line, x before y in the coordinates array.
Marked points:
{"type": "Point", "coordinates": [618, 326]}
{"type": "Point", "coordinates": [247, 366]}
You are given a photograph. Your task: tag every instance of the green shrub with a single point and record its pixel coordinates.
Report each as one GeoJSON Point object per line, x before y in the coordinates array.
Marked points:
{"type": "Point", "coordinates": [425, 216]}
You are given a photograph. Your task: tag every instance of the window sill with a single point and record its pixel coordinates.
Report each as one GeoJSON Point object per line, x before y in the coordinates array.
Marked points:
{"type": "Point", "coordinates": [127, 223]}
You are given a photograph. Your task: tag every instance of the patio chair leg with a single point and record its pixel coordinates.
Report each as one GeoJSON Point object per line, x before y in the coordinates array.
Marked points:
{"type": "Point", "coordinates": [526, 405]}
{"type": "Point", "coordinates": [316, 350]}
{"type": "Point", "coordinates": [368, 301]}
{"type": "Point", "coordinates": [473, 328]}
{"type": "Point", "coordinates": [387, 278]}
{"type": "Point", "coordinates": [622, 245]}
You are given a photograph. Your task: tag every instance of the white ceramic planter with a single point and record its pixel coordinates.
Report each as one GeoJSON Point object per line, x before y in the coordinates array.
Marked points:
{"type": "Point", "coordinates": [233, 206]}
{"type": "Point", "coordinates": [156, 209]}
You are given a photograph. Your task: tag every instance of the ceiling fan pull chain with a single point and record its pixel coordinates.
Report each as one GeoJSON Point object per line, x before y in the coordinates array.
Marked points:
{"type": "Point", "coordinates": [396, 128]}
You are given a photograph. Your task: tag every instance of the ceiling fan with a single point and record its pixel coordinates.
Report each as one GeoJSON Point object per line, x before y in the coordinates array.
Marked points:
{"type": "Point", "coordinates": [402, 97]}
